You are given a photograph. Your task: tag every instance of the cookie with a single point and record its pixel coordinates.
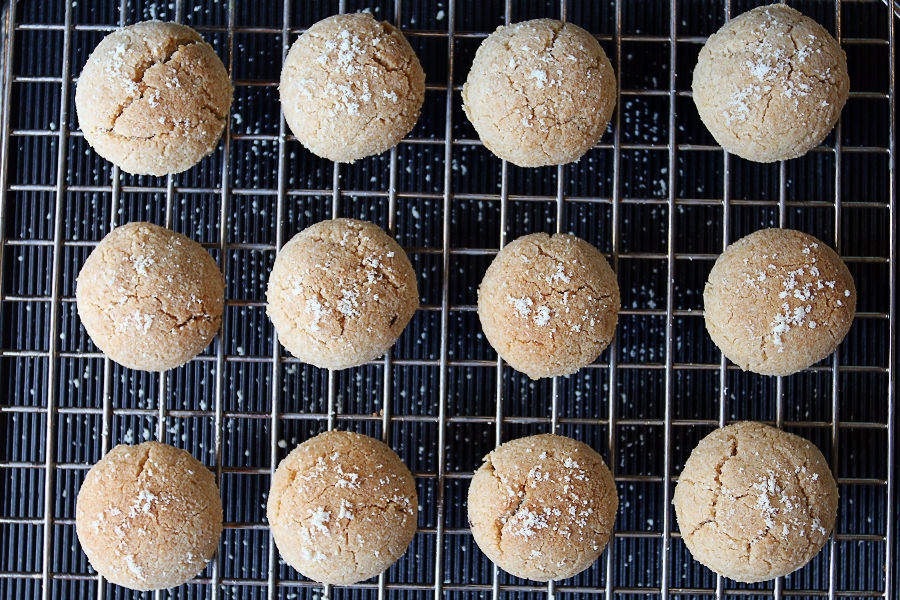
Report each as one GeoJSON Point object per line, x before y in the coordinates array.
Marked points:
{"type": "Point", "coordinates": [351, 87]}
{"type": "Point", "coordinates": [342, 507]}
{"type": "Point", "coordinates": [549, 304]}
{"type": "Point", "coordinates": [149, 516]}
{"type": "Point", "coordinates": [153, 98]}
{"type": "Point", "coordinates": [542, 507]}
{"type": "Point", "coordinates": [770, 84]}
{"type": "Point", "coordinates": [540, 92]}
{"type": "Point", "coordinates": [150, 298]}
{"type": "Point", "coordinates": [340, 293]}
{"type": "Point", "coordinates": [778, 301]}
{"type": "Point", "coordinates": [754, 502]}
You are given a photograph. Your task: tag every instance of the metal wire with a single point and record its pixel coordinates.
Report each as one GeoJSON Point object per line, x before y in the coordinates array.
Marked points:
{"type": "Point", "coordinates": [442, 581]}
{"type": "Point", "coordinates": [890, 540]}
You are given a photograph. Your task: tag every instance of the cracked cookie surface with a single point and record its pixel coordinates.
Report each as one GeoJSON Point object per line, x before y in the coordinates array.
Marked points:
{"type": "Point", "coordinates": [150, 298]}
{"type": "Point", "coordinates": [340, 293]}
{"type": "Point", "coordinates": [148, 516]}
{"type": "Point", "coordinates": [777, 301]}
{"type": "Point", "coordinates": [770, 84]}
{"type": "Point", "coordinates": [153, 98]}
{"type": "Point", "coordinates": [549, 304]}
{"type": "Point", "coordinates": [342, 507]}
{"type": "Point", "coordinates": [540, 92]}
{"type": "Point", "coordinates": [542, 507]}
{"type": "Point", "coordinates": [351, 87]}
{"type": "Point", "coordinates": [754, 502]}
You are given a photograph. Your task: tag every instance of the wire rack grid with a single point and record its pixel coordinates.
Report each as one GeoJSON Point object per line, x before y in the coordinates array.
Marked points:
{"type": "Point", "coordinates": [657, 195]}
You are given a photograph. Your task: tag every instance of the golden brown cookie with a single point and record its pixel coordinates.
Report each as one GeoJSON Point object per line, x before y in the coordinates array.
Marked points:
{"type": "Point", "coordinates": [153, 98]}
{"type": "Point", "coordinates": [342, 507]}
{"type": "Point", "coordinates": [540, 92]}
{"type": "Point", "coordinates": [754, 502]}
{"type": "Point", "coordinates": [770, 84]}
{"type": "Point", "coordinates": [778, 301]}
{"type": "Point", "coordinates": [150, 298]}
{"type": "Point", "coordinates": [542, 507]}
{"type": "Point", "coordinates": [148, 516]}
{"type": "Point", "coordinates": [340, 293]}
{"type": "Point", "coordinates": [351, 87]}
{"type": "Point", "coordinates": [549, 304]}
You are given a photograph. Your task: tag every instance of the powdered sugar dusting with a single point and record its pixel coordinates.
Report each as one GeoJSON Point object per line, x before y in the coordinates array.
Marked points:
{"type": "Point", "coordinates": [319, 518]}
{"type": "Point", "coordinates": [522, 306]}
{"type": "Point", "coordinates": [766, 488]}
{"type": "Point", "coordinates": [349, 303]}
{"type": "Point", "coordinates": [800, 290]}
{"type": "Point", "coordinates": [525, 308]}
{"type": "Point", "coordinates": [542, 316]}
{"type": "Point", "coordinates": [134, 568]}
{"type": "Point", "coordinates": [317, 311]}
{"type": "Point", "coordinates": [527, 523]}
{"type": "Point", "coordinates": [539, 76]}
{"type": "Point", "coordinates": [136, 320]}
{"type": "Point", "coordinates": [142, 503]}
{"type": "Point", "coordinates": [771, 70]}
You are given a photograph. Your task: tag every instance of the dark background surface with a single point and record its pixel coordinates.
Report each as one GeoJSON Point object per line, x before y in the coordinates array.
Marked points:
{"type": "Point", "coordinates": [649, 208]}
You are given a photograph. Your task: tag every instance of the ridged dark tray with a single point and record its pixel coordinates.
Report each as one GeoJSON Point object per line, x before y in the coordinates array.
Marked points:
{"type": "Point", "coordinates": [656, 194]}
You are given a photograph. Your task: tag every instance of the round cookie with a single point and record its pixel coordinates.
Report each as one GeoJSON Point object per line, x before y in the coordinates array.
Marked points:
{"type": "Point", "coordinates": [770, 84]}
{"type": "Point", "coordinates": [153, 98]}
{"type": "Point", "coordinates": [150, 298]}
{"type": "Point", "coordinates": [542, 507]}
{"type": "Point", "coordinates": [342, 507]}
{"type": "Point", "coordinates": [540, 92]}
{"type": "Point", "coordinates": [351, 87]}
{"type": "Point", "coordinates": [549, 304]}
{"type": "Point", "coordinates": [148, 516]}
{"type": "Point", "coordinates": [754, 502]}
{"type": "Point", "coordinates": [778, 301]}
{"type": "Point", "coordinates": [340, 293]}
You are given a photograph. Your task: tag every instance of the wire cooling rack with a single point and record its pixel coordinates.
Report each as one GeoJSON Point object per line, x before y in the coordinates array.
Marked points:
{"type": "Point", "coordinates": [657, 195]}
